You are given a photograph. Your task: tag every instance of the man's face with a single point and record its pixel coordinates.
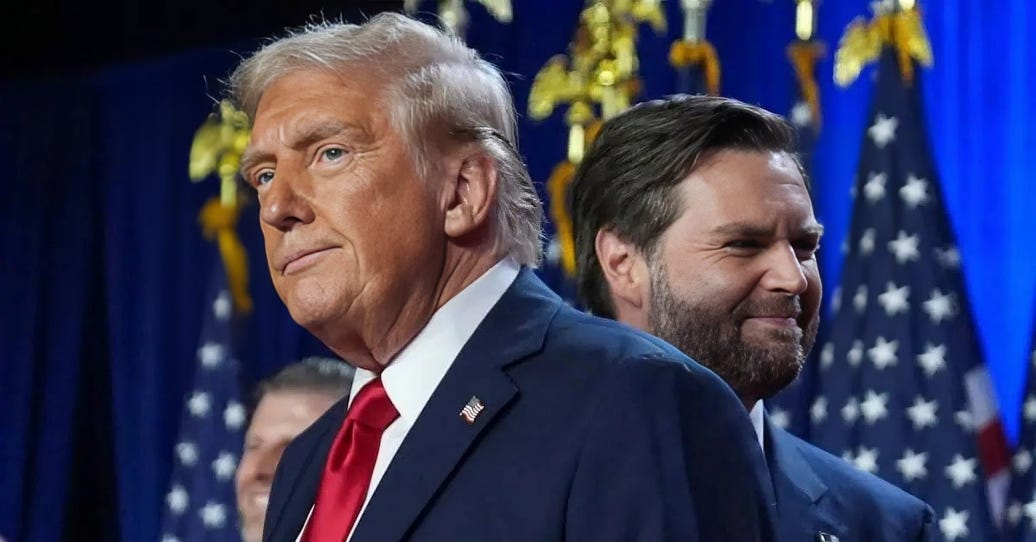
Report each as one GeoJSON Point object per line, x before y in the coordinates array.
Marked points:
{"type": "Point", "coordinates": [734, 279]}
{"type": "Point", "coordinates": [279, 418]}
{"type": "Point", "coordinates": [350, 228]}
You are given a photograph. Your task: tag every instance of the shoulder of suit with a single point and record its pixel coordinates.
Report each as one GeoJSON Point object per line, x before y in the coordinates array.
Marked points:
{"type": "Point", "coordinates": [581, 335]}
{"type": "Point", "coordinates": [852, 483]}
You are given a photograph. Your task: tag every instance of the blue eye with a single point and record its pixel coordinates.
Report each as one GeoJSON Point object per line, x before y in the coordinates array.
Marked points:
{"type": "Point", "coordinates": [264, 177]}
{"type": "Point", "coordinates": [334, 153]}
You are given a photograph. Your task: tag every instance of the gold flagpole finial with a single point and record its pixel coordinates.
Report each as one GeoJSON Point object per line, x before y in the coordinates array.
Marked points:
{"type": "Point", "coordinates": [217, 148]}
{"type": "Point", "coordinates": [596, 79]}
{"type": "Point", "coordinates": [897, 24]}
{"type": "Point", "coordinates": [804, 52]}
{"type": "Point", "coordinates": [454, 16]}
{"type": "Point", "coordinates": [693, 49]}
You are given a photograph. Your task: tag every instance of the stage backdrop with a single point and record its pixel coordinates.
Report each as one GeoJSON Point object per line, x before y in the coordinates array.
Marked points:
{"type": "Point", "coordinates": [104, 269]}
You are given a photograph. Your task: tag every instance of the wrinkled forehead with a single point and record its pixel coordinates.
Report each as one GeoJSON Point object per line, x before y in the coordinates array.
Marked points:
{"type": "Point", "coordinates": [744, 185]}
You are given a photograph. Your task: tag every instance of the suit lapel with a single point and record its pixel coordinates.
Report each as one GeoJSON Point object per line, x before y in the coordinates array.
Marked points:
{"type": "Point", "coordinates": [302, 473]}
{"type": "Point", "coordinates": [435, 445]}
{"type": "Point", "coordinates": [798, 488]}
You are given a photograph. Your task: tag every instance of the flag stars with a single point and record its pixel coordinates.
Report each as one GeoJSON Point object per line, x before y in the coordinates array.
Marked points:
{"type": "Point", "coordinates": [1029, 409]}
{"type": "Point", "coordinates": [867, 459]}
{"type": "Point", "coordinates": [860, 299]}
{"type": "Point", "coordinates": [1029, 509]}
{"type": "Point", "coordinates": [222, 307]}
{"type": "Point", "coordinates": [851, 411]}
{"type": "Point", "coordinates": [914, 192]}
{"type": "Point", "coordinates": [883, 353]}
{"type": "Point", "coordinates": [1022, 461]}
{"type": "Point", "coordinates": [211, 354]}
{"type": "Point", "coordinates": [940, 306]}
{"type": "Point", "coordinates": [780, 418]}
{"type": "Point", "coordinates": [867, 242]}
{"type": "Point", "coordinates": [1014, 512]}
{"type": "Point", "coordinates": [874, 188]}
{"type": "Point", "coordinates": [855, 354]}
{"type": "Point", "coordinates": [187, 453]}
{"type": "Point", "coordinates": [234, 415]}
{"type": "Point", "coordinates": [177, 499]}
{"type": "Point", "coordinates": [836, 299]}
{"type": "Point", "coordinates": [224, 465]}
{"type": "Point", "coordinates": [213, 515]}
{"type": "Point", "coordinates": [894, 300]}
{"type": "Point", "coordinates": [883, 131]}
{"type": "Point", "coordinates": [818, 411]}
{"type": "Point", "coordinates": [912, 465]}
{"type": "Point", "coordinates": [199, 404]}
{"type": "Point", "coordinates": [954, 524]}
{"type": "Point", "coordinates": [965, 420]}
{"type": "Point", "coordinates": [922, 413]}
{"type": "Point", "coordinates": [827, 356]}
{"type": "Point", "coordinates": [932, 359]}
{"type": "Point", "coordinates": [948, 257]}
{"type": "Point", "coordinates": [874, 407]}
{"type": "Point", "coordinates": [961, 471]}
{"type": "Point", "coordinates": [904, 247]}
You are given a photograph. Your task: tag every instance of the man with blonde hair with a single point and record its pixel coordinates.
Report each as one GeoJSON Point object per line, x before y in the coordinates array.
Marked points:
{"type": "Point", "coordinates": [401, 227]}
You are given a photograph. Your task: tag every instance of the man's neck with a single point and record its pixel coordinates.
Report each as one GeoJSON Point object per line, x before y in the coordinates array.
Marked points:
{"type": "Point", "coordinates": [457, 274]}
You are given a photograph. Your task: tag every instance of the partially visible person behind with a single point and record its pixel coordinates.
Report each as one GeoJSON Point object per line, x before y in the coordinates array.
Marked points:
{"type": "Point", "coordinates": [284, 405]}
{"type": "Point", "coordinates": [693, 222]}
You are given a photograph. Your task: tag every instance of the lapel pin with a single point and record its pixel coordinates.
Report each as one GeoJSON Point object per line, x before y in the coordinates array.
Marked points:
{"type": "Point", "coordinates": [471, 410]}
{"type": "Point", "coordinates": [825, 537]}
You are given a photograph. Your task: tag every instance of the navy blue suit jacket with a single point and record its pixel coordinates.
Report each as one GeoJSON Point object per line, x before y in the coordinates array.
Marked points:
{"type": "Point", "coordinates": [818, 492]}
{"type": "Point", "coordinates": [591, 431]}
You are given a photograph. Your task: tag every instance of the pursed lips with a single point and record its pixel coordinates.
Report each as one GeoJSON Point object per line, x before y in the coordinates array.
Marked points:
{"type": "Point", "coordinates": [299, 256]}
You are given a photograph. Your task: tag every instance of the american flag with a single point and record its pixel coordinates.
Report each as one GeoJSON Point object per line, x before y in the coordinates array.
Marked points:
{"type": "Point", "coordinates": [902, 389]}
{"type": "Point", "coordinates": [200, 505]}
{"type": "Point", "coordinates": [471, 410]}
{"type": "Point", "coordinates": [1021, 512]}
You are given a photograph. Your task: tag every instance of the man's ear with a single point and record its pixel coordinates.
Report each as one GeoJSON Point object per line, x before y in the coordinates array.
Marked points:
{"type": "Point", "coordinates": [625, 271]}
{"type": "Point", "coordinates": [473, 194]}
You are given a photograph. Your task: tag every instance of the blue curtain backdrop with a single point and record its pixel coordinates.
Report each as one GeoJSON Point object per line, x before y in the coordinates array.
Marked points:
{"type": "Point", "coordinates": [103, 265]}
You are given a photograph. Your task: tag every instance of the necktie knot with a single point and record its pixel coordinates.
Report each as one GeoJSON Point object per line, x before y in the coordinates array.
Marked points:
{"type": "Point", "coordinates": [372, 407]}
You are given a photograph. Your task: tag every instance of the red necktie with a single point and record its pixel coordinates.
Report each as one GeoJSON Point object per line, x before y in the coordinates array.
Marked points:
{"type": "Point", "coordinates": [347, 474]}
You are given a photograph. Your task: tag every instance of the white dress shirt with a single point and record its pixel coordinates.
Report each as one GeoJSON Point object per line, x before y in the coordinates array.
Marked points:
{"type": "Point", "coordinates": [416, 371]}
{"type": "Point", "coordinates": [756, 415]}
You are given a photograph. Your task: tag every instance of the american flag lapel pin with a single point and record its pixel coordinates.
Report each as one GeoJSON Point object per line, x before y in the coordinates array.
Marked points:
{"type": "Point", "coordinates": [471, 410]}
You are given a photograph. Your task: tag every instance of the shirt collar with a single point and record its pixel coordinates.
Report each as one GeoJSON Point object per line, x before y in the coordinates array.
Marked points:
{"type": "Point", "coordinates": [756, 415]}
{"type": "Point", "coordinates": [416, 371]}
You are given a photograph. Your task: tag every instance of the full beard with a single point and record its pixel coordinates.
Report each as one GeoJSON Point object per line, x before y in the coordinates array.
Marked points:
{"type": "Point", "coordinates": [712, 338]}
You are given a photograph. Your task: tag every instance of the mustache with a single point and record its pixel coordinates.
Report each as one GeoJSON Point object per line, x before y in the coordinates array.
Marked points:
{"type": "Point", "coordinates": [786, 306]}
